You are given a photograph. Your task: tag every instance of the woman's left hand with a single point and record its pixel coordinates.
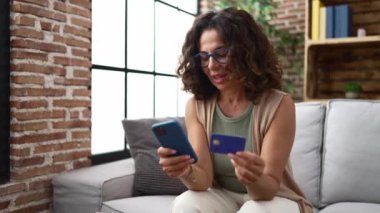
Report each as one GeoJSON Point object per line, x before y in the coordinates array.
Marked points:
{"type": "Point", "coordinates": [249, 167]}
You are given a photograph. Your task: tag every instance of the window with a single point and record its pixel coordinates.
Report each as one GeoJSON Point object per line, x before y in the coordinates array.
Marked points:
{"type": "Point", "coordinates": [4, 92]}
{"type": "Point", "coordinates": [135, 50]}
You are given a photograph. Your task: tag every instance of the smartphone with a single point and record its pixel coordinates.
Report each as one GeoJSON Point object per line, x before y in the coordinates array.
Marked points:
{"type": "Point", "coordinates": [225, 144]}
{"type": "Point", "coordinates": [171, 135]}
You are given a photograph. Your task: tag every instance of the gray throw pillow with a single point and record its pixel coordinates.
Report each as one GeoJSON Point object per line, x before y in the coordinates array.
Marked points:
{"type": "Point", "coordinates": [149, 177]}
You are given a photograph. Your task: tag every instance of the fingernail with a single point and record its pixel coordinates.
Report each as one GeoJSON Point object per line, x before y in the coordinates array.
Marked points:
{"type": "Point", "coordinates": [233, 162]}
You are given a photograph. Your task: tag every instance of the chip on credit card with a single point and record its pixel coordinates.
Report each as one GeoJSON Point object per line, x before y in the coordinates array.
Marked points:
{"type": "Point", "coordinates": [226, 143]}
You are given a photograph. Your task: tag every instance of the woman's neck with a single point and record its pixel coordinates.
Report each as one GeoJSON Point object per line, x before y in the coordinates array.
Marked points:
{"type": "Point", "coordinates": [233, 102]}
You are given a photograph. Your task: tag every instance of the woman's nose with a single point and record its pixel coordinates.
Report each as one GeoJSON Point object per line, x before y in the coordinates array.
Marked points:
{"type": "Point", "coordinates": [212, 63]}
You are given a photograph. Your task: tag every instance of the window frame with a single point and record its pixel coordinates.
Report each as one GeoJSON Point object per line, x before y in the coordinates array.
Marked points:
{"type": "Point", "coordinates": [125, 153]}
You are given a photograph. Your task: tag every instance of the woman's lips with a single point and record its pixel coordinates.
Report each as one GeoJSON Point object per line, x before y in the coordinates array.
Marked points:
{"type": "Point", "coordinates": [219, 78]}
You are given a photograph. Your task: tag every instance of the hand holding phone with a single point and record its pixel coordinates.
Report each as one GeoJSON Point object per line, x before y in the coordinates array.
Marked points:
{"type": "Point", "coordinates": [225, 144]}
{"type": "Point", "coordinates": [171, 135]}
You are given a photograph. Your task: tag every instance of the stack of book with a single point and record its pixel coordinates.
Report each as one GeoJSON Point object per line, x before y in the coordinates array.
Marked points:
{"type": "Point", "coordinates": [332, 21]}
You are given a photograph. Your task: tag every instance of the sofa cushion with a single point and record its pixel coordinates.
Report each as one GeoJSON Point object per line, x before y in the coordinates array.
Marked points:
{"type": "Point", "coordinates": [83, 190]}
{"type": "Point", "coordinates": [353, 207]}
{"type": "Point", "coordinates": [156, 204]}
{"type": "Point", "coordinates": [149, 178]}
{"type": "Point", "coordinates": [306, 152]}
{"type": "Point", "coordinates": [351, 158]}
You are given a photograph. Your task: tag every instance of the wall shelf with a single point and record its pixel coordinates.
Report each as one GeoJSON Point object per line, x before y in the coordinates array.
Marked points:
{"type": "Point", "coordinates": [330, 63]}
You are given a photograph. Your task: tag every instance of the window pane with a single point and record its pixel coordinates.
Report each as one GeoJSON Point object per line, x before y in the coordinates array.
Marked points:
{"type": "Point", "coordinates": [108, 40]}
{"type": "Point", "coordinates": [107, 111]}
{"type": "Point", "coordinates": [166, 96]}
{"type": "Point", "coordinates": [187, 5]}
{"type": "Point", "coordinates": [182, 99]}
{"type": "Point", "coordinates": [140, 96]}
{"type": "Point", "coordinates": [168, 41]}
{"type": "Point", "coordinates": [140, 36]}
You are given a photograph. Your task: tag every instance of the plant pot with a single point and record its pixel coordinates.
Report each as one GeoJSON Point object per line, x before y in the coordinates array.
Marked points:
{"type": "Point", "coordinates": [352, 95]}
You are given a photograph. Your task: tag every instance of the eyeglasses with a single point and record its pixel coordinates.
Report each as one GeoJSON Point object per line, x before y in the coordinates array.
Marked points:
{"type": "Point", "coordinates": [220, 55]}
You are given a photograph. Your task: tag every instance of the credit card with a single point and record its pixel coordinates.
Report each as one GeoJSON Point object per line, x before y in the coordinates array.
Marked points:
{"type": "Point", "coordinates": [226, 144]}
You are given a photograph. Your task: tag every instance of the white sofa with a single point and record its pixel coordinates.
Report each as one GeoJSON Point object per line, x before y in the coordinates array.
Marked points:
{"type": "Point", "coordinates": [335, 161]}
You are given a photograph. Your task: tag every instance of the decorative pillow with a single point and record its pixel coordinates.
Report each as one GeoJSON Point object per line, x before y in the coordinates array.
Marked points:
{"type": "Point", "coordinates": [149, 177]}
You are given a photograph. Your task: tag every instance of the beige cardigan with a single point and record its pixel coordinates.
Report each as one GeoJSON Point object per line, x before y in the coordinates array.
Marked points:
{"type": "Point", "coordinates": [263, 114]}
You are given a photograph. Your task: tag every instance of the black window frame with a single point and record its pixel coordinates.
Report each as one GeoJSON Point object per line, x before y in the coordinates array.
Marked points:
{"type": "Point", "coordinates": [123, 154]}
{"type": "Point", "coordinates": [4, 91]}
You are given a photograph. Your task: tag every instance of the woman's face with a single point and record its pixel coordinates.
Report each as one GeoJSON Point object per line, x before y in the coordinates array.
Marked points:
{"type": "Point", "coordinates": [216, 67]}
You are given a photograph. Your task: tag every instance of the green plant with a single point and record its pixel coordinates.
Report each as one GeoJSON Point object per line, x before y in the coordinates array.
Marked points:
{"type": "Point", "coordinates": [285, 43]}
{"type": "Point", "coordinates": [352, 86]}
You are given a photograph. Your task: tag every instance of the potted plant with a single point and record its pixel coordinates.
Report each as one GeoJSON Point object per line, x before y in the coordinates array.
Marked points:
{"type": "Point", "coordinates": [352, 89]}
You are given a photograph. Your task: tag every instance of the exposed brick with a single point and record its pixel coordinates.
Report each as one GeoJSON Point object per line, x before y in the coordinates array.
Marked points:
{"type": "Point", "coordinates": [21, 174]}
{"type": "Point", "coordinates": [28, 92]}
{"type": "Point", "coordinates": [30, 197]}
{"type": "Point", "coordinates": [22, 20]}
{"type": "Point", "coordinates": [40, 184]}
{"type": "Point", "coordinates": [83, 3]}
{"type": "Point", "coordinates": [82, 163]}
{"type": "Point", "coordinates": [34, 115]}
{"type": "Point", "coordinates": [4, 204]}
{"type": "Point", "coordinates": [43, 46]}
{"type": "Point", "coordinates": [72, 61]}
{"type": "Point", "coordinates": [50, 27]}
{"type": "Point", "coordinates": [80, 52]}
{"type": "Point", "coordinates": [35, 160]}
{"type": "Point", "coordinates": [82, 73]}
{"type": "Point", "coordinates": [27, 33]}
{"type": "Point", "coordinates": [81, 134]}
{"type": "Point", "coordinates": [34, 138]}
{"type": "Point", "coordinates": [36, 68]}
{"type": "Point", "coordinates": [23, 79]}
{"type": "Point", "coordinates": [20, 152]}
{"type": "Point", "coordinates": [30, 126]}
{"type": "Point", "coordinates": [70, 103]}
{"type": "Point", "coordinates": [86, 114]}
{"type": "Point", "coordinates": [74, 114]}
{"type": "Point", "coordinates": [71, 124]}
{"type": "Point", "coordinates": [72, 82]}
{"type": "Point", "coordinates": [37, 2]}
{"type": "Point", "coordinates": [85, 23]}
{"type": "Point", "coordinates": [71, 156]}
{"type": "Point", "coordinates": [30, 104]}
{"type": "Point", "coordinates": [38, 11]}
{"type": "Point", "coordinates": [61, 147]}
{"type": "Point", "coordinates": [18, 54]}
{"type": "Point", "coordinates": [60, 6]}
{"type": "Point", "coordinates": [70, 41]}
{"type": "Point", "coordinates": [11, 188]}
{"type": "Point", "coordinates": [77, 32]}
{"type": "Point", "coordinates": [82, 92]}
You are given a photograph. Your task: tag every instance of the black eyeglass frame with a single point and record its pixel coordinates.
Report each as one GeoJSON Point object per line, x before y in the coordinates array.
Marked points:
{"type": "Point", "coordinates": [215, 54]}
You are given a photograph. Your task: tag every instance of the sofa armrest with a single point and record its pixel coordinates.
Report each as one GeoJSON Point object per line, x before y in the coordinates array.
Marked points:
{"type": "Point", "coordinates": [84, 190]}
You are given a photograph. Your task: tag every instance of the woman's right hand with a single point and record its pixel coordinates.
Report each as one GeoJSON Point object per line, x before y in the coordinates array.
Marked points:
{"type": "Point", "coordinates": [174, 166]}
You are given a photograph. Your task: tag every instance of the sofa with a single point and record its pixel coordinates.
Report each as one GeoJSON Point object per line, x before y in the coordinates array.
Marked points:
{"type": "Point", "coordinates": [335, 160]}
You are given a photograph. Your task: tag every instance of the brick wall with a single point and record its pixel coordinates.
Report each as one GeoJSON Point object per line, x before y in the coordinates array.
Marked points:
{"type": "Point", "coordinates": [50, 98]}
{"type": "Point", "coordinates": [290, 16]}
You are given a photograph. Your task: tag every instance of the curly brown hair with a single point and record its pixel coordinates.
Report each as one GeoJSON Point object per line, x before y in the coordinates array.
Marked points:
{"type": "Point", "coordinates": [251, 55]}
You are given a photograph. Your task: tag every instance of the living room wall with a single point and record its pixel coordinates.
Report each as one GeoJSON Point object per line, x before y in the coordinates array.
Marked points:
{"type": "Point", "coordinates": [50, 97]}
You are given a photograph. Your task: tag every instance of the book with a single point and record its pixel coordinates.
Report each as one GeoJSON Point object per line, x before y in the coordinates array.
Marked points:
{"type": "Point", "coordinates": [343, 21]}
{"type": "Point", "coordinates": [330, 21]}
{"type": "Point", "coordinates": [322, 22]}
{"type": "Point", "coordinates": [316, 4]}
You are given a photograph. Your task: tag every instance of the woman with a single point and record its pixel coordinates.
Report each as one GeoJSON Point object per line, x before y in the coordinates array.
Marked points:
{"type": "Point", "coordinates": [230, 67]}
